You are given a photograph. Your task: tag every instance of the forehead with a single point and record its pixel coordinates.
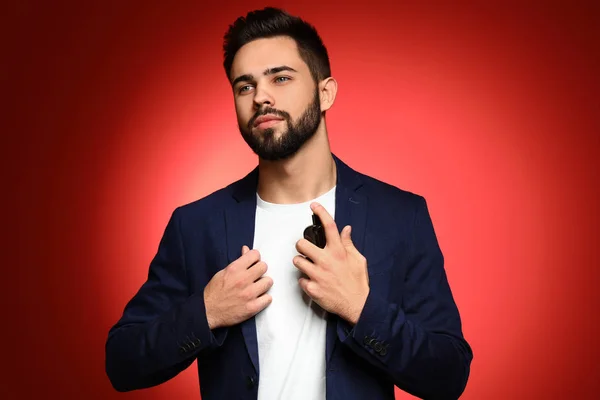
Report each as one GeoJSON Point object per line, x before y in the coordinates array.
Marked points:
{"type": "Point", "coordinates": [260, 54]}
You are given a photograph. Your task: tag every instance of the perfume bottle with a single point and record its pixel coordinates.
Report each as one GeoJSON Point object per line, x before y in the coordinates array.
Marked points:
{"type": "Point", "coordinates": [315, 233]}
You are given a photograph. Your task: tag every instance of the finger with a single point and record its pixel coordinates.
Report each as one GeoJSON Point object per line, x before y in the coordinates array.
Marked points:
{"type": "Point", "coordinates": [309, 287]}
{"type": "Point", "coordinates": [260, 303]}
{"type": "Point", "coordinates": [332, 235]}
{"type": "Point", "coordinates": [308, 249]}
{"type": "Point", "coordinates": [246, 260]}
{"type": "Point", "coordinates": [305, 266]}
{"type": "Point", "coordinates": [257, 270]}
{"type": "Point", "coordinates": [261, 286]}
{"type": "Point", "coordinates": [346, 237]}
{"type": "Point", "coordinates": [245, 249]}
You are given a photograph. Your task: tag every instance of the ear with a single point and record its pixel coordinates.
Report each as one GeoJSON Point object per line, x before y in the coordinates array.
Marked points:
{"type": "Point", "coordinates": [327, 92]}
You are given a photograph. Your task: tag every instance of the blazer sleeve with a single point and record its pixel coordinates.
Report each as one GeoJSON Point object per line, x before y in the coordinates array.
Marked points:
{"type": "Point", "coordinates": [419, 344]}
{"type": "Point", "coordinates": [163, 328]}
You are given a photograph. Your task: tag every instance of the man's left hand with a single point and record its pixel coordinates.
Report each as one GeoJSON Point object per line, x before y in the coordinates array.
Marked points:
{"type": "Point", "coordinates": [337, 276]}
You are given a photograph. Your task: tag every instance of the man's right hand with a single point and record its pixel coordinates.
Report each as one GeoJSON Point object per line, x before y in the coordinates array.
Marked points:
{"type": "Point", "coordinates": [238, 291]}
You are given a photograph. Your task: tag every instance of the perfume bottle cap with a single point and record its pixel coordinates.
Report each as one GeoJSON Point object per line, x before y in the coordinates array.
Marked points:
{"type": "Point", "coordinates": [316, 220]}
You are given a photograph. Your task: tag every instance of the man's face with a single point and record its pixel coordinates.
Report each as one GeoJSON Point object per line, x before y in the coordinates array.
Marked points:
{"type": "Point", "coordinates": [276, 99]}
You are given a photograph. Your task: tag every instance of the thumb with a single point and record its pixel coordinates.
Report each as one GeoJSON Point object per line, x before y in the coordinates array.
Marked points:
{"type": "Point", "coordinates": [346, 238]}
{"type": "Point", "coordinates": [245, 249]}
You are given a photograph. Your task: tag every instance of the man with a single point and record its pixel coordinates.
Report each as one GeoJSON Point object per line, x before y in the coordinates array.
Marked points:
{"type": "Point", "coordinates": [290, 319]}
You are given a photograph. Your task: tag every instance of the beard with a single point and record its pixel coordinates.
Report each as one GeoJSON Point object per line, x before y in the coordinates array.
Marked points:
{"type": "Point", "coordinates": [268, 147]}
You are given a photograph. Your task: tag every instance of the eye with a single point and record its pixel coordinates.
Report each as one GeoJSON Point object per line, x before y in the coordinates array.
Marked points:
{"type": "Point", "coordinates": [281, 79]}
{"type": "Point", "coordinates": [244, 89]}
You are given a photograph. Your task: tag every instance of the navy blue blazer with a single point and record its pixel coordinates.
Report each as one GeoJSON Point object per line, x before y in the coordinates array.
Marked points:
{"type": "Point", "coordinates": [409, 333]}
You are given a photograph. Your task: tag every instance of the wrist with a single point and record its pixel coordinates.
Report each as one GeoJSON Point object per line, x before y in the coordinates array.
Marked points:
{"type": "Point", "coordinates": [210, 319]}
{"type": "Point", "coordinates": [357, 308]}
{"type": "Point", "coordinates": [213, 322]}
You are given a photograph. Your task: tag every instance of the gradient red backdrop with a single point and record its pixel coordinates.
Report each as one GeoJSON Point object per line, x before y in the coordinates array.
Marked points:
{"type": "Point", "coordinates": [118, 112]}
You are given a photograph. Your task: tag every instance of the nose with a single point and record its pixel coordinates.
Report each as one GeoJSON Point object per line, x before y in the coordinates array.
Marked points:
{"type": "Point", "coordinates": [262, 97]}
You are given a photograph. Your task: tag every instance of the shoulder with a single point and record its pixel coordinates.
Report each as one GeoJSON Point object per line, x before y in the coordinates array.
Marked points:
{"type": "Point", "coordinates": [389, 196]}
{"type": "Point", "coordinates": [203, 211]}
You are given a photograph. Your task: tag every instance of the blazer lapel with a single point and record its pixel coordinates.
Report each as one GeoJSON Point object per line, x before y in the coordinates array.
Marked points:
{"type": "Point", "coordinates": [239, 227]}
{"type": "Point", "coordinates": [350, 209]}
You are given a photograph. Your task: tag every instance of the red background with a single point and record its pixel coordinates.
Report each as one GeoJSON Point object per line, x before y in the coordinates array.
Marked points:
{"type": "Point", "coordinates": [118, 112]}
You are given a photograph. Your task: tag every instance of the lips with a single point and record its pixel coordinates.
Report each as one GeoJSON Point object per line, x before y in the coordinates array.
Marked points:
{"type": "Point", "coordinates": [265, 119]}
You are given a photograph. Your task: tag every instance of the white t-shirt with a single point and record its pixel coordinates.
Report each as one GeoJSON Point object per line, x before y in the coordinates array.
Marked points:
{"type": "Point", "coordinates": [291, 330]}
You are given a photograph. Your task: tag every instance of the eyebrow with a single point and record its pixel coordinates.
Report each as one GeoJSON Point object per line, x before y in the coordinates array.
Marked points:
{"type": "Point", "coordinates": [266, 72]}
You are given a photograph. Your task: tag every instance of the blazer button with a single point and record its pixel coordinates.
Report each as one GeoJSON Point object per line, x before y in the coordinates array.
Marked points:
{"type": "Point", "coordinates": [367, 340]}
{"type": "Point", "coordinates": [377, 347]}
{"type": "Point", "coordinates": [383, 351]}
{"type": "Point", "coordinates": [197, 342]}
{"type": "Point", "coordinates": [250, 382]}
{"type": "Point", "coordinates": [182, 350]}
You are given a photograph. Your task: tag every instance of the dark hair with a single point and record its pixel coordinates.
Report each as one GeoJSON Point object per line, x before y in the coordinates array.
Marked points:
{"type": "Point", "coordinates": [270, 22]}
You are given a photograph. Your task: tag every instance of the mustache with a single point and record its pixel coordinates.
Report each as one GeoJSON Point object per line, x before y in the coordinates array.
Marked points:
{"type": "Point", "coordinates": [265, 111]}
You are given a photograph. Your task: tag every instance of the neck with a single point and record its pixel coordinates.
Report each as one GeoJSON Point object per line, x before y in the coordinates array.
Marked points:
{"type": "Point", "coordinates": [302, 177]}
